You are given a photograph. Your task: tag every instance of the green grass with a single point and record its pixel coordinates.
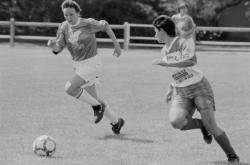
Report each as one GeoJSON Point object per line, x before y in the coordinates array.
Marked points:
{"type": "Point", "coordinates": [33, 103]}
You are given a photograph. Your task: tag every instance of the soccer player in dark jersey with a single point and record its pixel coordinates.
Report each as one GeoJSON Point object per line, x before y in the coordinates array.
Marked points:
{"type": "Point", "coordinates": [78, 35]}
{"type": "Point", "coordinates": [189, 88]}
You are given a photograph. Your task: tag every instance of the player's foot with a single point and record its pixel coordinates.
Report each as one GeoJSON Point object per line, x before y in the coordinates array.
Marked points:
{"type": "Point", "coordinates": [116, 128]}
{"type": "Point", "coordinates": [233, 158]}
{"type": "Point", "coordinates": [208, 138]}
{"type": "Point", "coordinates": [98, 112]}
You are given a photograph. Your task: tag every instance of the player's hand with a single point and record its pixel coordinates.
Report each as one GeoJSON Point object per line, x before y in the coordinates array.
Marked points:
{"type": "Point", "coordinates": [51, 43]}
{"type": "Point", "coordinates": [117, 51]}
{"type": "Point", "coordinates": [169, 96]}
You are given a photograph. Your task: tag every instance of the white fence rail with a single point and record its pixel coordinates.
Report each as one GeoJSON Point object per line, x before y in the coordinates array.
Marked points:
{"type": "Point", "coordinates": [126, 40]}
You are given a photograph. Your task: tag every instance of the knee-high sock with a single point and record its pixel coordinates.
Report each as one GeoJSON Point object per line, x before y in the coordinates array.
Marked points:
{"type": "Point", "coordinates": [224, 143]}
{"type": "Point", "coordinates": [86, 97]}
{"type": "Point", "coordinates": [110, 115]}
{"type": "Point", "coordinates": [193, 124]}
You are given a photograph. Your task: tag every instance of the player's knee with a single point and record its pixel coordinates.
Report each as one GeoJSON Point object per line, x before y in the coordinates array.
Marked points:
{"type": "Point", "coordinates": [204, 104]}
{"type": "Point", "coordinates": [178, 123]}
{"type": "Point", "coordinates": [211, 127]}
{"type": "Point", "coordinates": [70, 90]}
{"type": "Point", "coordinates": [177, 120]}
{"type": "Point", "coordinates": [214, 130]}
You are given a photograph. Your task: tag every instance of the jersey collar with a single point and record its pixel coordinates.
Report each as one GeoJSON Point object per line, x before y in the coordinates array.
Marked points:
{"type": "Point", "coordinates": [171, 45]}
{"type": "Point", "coordinates": [77, 23]}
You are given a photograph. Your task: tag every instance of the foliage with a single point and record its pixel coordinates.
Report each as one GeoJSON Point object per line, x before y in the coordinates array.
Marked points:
{"type": "Point", "coordinates": [204, 12]}
{"type": "Point", "coordinates": [115, 11]}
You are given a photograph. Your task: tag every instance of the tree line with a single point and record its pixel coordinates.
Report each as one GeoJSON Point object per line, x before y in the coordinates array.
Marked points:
{"type": "Point", "coordinates": [204, 12]}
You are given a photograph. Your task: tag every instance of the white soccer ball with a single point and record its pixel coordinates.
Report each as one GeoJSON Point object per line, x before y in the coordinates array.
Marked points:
{"type": "Point", "coordinates": [44, 146]}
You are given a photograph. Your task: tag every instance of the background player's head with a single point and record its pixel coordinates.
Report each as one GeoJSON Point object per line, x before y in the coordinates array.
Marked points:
{"type": "Point", "coordinates": [71, 11]}
{"type": "Point", "coordinates": [183, 8]}
{"type": "Point", "coordinates": [164, 28]}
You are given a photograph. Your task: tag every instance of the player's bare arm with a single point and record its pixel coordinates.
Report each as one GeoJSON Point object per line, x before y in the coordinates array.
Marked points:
{"type": "Point", "coordinates": [181, 64]}
{"type": "Point", "coordinates": [109, 31]}
{"type": "Point", "coordinates": [169, 93]}
{"type": "Point", "coordinates": [52, 44]}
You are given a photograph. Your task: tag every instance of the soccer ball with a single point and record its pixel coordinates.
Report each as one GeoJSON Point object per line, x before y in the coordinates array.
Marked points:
{"type": "Point", "coordinates": [44, 146]}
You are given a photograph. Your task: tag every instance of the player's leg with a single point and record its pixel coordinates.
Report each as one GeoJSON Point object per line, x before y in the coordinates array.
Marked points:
{"type": "Point", "coordinates": [108, 112]}
{"type": "Point", "coordinates": [206, 109]}
{"type": "Point", "coordinates": [75, 87]}
{"type": "Point", "coordinates": [89, 70]}
{"type": "Point", "coordinates": [181, 112]}
{"type": "Point", "coordinates": [116, 122]}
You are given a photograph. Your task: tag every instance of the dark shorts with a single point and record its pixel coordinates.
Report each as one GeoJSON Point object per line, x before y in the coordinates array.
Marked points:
{"type": "Point", "coordinates": [199, 96]}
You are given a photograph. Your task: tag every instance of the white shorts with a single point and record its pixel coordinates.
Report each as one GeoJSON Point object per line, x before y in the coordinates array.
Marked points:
{"type": "Point", "coordinates": [89, 69]}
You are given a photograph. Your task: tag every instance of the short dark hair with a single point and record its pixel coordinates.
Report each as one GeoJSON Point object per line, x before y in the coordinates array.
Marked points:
{"type": "Point", "coordinates": [71, 4]}
{"type": "Point", "coordinates": [166, 23]}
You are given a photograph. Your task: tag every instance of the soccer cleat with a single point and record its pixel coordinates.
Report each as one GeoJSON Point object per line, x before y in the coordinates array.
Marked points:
{"type": "Point", "coordinates": [233, 158]}
{"type": "Point", "coordinates": [116, 128]}
{"type": "Point", "coordinates": [206, 135]}
{"type": "Point", "coordinates": [98, 112]}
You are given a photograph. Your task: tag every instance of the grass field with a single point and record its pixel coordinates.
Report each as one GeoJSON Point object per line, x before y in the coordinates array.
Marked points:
{"type": "Point", "coordinates": [33, 103]}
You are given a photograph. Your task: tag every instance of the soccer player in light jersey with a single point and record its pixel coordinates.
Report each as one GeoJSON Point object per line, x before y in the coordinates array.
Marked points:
{"type": "Point", "coordinates": [78, 35]}
{"type": "Point", "coordinates": [189, 89]}
{"type": "Point", "coordinates": [185, 26]}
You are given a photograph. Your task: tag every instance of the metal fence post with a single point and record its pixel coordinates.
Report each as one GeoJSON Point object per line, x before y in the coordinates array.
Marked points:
{"type": "Point", "coordinates": [12, 32]}
{"type": "Point", "coordinates": [126, 35]}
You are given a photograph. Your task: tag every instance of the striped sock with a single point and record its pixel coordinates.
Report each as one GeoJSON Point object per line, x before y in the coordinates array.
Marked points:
{"type": "Point", "coordinates": [83, 95]}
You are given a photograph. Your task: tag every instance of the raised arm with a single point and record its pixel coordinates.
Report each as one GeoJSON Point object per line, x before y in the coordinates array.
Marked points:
{"type": "Point", "coordinates": [184, 58]}
{"type": "Point", "coordinates": [179, 63]}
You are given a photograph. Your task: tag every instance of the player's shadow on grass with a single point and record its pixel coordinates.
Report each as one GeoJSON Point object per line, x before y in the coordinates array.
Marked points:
{"type": "Point", "coordinates": [125, 137]}
{"type": "Point", "coordinates": [51, 157]}
{"type": "Point", "coordinates": [54, 157]}
{"type": "Point", "coordinates": [227, 163]}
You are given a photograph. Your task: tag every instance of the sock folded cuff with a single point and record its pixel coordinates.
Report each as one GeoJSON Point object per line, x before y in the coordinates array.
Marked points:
{"type": "Point", "coordinates": [80, 93]}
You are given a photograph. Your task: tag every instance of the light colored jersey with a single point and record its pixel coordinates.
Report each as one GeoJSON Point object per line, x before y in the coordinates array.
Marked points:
{"type": "Point", "coordinates": [80, 38]}
{"type": "Point", "coordinates": [185, 25]}
{"type": "Point", "coordinates": [181, 49]}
